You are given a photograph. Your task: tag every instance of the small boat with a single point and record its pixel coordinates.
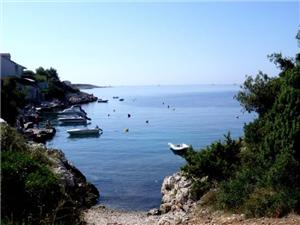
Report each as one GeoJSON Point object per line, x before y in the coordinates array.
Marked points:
{"type": "Point", "coordinates": [85, 131]}
{"type": "Point", "coordinates": [115, 97]}
{"type": "Point", "coordinates": [72, 119]}
{"type": "Point", "coordinates": [73, 110]}
{"type": "Point", "coordinates": [121, 99]}
{"type": "Point", "coordinates": [179, 148]}
{"type": "Point", "coordinates": [102, 101]}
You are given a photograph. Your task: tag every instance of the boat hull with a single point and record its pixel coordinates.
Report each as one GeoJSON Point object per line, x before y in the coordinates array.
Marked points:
{"type": "Point", "coordinates": [72, 120]}
{"type": "Point", "coordinates": [84, 132]}
{"type": "Point", "coordinates": [180, 149]}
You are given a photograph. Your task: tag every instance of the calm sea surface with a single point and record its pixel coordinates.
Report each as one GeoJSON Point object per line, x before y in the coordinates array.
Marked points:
{"type": "Point", "coordinates": [128, 168]}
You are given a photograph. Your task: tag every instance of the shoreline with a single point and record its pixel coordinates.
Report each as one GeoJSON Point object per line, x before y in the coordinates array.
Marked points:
{"type": "Point", "coordinates": [97, 215]}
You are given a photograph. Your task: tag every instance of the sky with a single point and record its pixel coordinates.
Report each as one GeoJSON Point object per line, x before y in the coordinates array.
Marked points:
{"type": "Point", "coordinates": [149, 43]}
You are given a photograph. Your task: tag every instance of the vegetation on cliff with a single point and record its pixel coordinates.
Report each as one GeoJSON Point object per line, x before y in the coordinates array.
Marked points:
{"type": "Point", "coordinates": [31, 192]}
{"type": "Point", "coordinates": [258, 175]}
{"type": "Point", "coordinates": [32, 87]}
{"type": "Point", "coordinates": [11, 100]}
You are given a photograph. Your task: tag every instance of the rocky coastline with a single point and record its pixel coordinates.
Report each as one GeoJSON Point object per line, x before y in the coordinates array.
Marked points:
{"type": "Point", "coordinates": [178, 208]}
{"type": "Point", "coordinates": [71, 180]}
{"type": "Point", "coordinates": [30, 116]}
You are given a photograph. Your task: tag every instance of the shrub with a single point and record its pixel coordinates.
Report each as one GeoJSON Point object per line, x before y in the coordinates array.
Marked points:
{"type": "Point", "coordinates": [266, 201]}
{"type": "Point", "coordinates": [217, 162]}
{"type": "Point", "coordinates": [28, 188]}
{"type": "Point", "coordinates": [11, 139]}
{"type": "Point", "coordinates": [235, 191]}
{"type": "Point", "coordinates": [11, 99]}
{"type": "Point", "coordinates": [30, 191]}
{"type": "Point", "coordinates": [273, 143]}
{"type": "Point", "coordinates": [260, 175]}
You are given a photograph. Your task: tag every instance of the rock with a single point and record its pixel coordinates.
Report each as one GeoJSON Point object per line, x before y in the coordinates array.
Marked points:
{"type": "Point", "coordinates": [165, 207]}
{"type": "Point", "coordinates": [72, 180]}
{"type": "Point", "coordinates": [153, 212]}
{"type": "Point", "coordinates": [80, 98]}
{"type": "Point", "coordinates": [176, 191]}
{"type": "Point", "coordinates": [39, 135]}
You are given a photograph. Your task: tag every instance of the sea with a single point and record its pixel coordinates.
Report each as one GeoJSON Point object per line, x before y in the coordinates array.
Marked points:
{"type": "Point", "coordinates": [128, 168]}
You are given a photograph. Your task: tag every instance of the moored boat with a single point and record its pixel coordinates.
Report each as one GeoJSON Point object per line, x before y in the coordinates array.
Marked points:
{"type": "Point", "coordinates": [102, 101]}
{"type": "Point", "coordinates": [121, 99]}
{"type": "Point", "coordinates": [73, 110]}
{"type": "Point", "coordinates": [179, 148]}
{"type": "Point", "coordinates": [72, 119]}
{"type": "Point", "coordinates": [85, 131]}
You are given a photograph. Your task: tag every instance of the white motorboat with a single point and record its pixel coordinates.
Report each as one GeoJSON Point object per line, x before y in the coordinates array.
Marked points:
{"type": "Point", "coordinates": [178, 148]}
{"type": "Point", "coordinates": [102, 101]}
{"type": "Point", "coordinates": [85, 131]}
{"type": "Point", "coordinates": [72, 119]}
{"type": "Point", "coordinates": [73, 110]}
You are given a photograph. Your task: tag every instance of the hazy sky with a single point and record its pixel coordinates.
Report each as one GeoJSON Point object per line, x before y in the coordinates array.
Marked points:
{"type": "Point", "coordinates": [149, 43]}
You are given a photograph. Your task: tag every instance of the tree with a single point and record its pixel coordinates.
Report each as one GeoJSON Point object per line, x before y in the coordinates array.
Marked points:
{"type": "Point", "coordinates": [11, 99]}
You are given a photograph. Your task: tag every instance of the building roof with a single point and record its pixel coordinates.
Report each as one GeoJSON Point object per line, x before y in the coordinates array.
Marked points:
{"type": "Point", "coordinates": [7, 56]}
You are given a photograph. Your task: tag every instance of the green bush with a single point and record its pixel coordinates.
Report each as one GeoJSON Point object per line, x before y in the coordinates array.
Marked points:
{"type": "Point", "coordinates": [30, 191]}
{"type": "Point", "coordinates": [217, 162]}
{"type": "Point", "coordinates": [272, 153]}
{"type": "Point", "coordinates": [11, 139]}
{"type": "Point", "coordinates": [269, 202]}
{"type": "Point", "coordinates": [233, 192]}
{"type": "Point", "coordinates": [28, 188]}
{"type": "Point", "coordinates": [12, 100]}
{"type": "Point", "coordinates": [259, 175]}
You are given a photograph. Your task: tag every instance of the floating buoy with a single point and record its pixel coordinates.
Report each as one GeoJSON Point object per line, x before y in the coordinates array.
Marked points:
{"type": "Point", "coordinates": [168, 106]}
{"type": "Point", "coordinates": [128, 115]}
{"type": "Point", "coordinates": [147, 121]}
{"type": "Point", "coordinates": [126, 130]}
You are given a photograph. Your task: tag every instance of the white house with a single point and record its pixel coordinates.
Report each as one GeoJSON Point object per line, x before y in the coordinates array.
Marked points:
{"type": "Point", "coordinates": [9, 67]}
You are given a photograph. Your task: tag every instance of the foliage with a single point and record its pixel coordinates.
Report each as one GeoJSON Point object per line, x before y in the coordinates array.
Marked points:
{"type": "Point", "coordinates": [259, 93]}
{"type": "Point", "coordinates": [11, 99]}
{"type": "Point", "coordinates": [49, 73]}
{"type": "Point", "coordinates": [213, 164]}
{"type": "Point", "coordinates": [11, 140]}
{"type": "Point", "coordinates": [28, 188]}
{"type": "Point", "coordinates": [30, 192]}
{"type": "Point", "coordinates": [273, 141]}
{"type": "Point", "coordinates": [40, 78]}
{"type": "Point", "coordinates": [267, 201]}
{"type": "Point", "coordinates": [262, 178]}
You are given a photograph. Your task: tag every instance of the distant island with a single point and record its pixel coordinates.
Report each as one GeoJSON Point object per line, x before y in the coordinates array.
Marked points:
{"type": "Point", "coordinates": [87, 86]}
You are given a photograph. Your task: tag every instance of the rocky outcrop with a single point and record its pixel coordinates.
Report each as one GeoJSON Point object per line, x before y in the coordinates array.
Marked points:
{"type": "Point", "coordinates": [40, 135]}
{"type": "Point", "coordinates": [176, 193]}
{"type": "Point", "coordinates": [80, 98]}
{"type": "Point", "coordinates": [176, 204]}
{"type": "Point", "coordinates": [72, 181]}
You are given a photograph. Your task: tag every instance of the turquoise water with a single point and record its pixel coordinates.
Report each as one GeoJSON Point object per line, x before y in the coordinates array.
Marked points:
{"type": "Point", "coordinates": [128, 168]}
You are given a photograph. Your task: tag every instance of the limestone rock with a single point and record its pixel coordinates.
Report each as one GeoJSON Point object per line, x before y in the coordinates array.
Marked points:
{"type": "Point", "coordinates": [176, 191]}
{"type": "Point", "coordinates": [71, 179]}
{"type": "Point", "coordinates": [153, 212]}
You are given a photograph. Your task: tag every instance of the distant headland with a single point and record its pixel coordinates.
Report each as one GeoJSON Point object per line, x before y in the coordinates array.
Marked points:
{"type": "Point", "coordinates": [87, 86]}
